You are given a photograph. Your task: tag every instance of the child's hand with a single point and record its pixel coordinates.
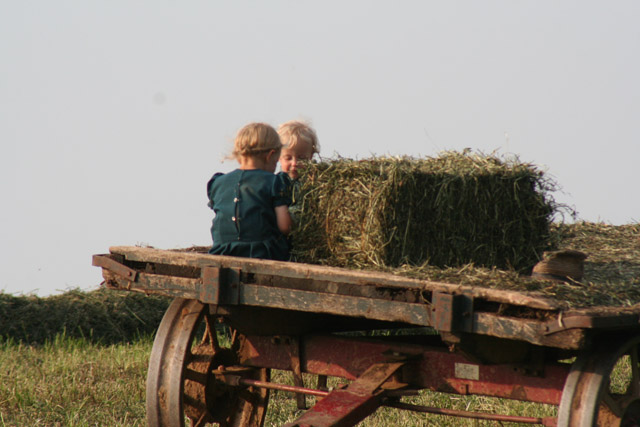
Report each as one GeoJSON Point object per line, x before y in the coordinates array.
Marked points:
{"type": "Point", "coordinates": [283, 219]}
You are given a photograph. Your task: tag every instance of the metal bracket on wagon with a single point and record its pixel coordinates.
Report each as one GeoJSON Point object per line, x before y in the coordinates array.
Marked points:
{"type": "Point", "coordinates": [219, 285]}
{"type": "Point", "coordinates": [452, 312]}
{"type": "Point", "coordinates": [609, 322]}
{"type": "Point", "coordinates": [113, 263]}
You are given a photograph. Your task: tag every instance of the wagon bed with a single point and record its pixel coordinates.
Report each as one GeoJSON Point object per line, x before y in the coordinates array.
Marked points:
{"type": "Point", "coordinates": [300, 317]}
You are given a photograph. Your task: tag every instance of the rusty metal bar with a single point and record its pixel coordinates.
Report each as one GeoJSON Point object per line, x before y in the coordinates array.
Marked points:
{"type": "Point", "coordinates": [282, 387]}
{"type": "Point", "coordinates": [109, 263]}
{"type": "Point", "coordinates": [294, 354]}
{"type": "Point", "coordinates": [210, 289]}
{"type": "Point", "coordinates": [452, 312]}
{"type": "Point", "coordinates": [591, 322]}
{"type": "Point", "coordinates": [348, 406]}
{"type": "Point", "coordinates": [236, 380]}
{"type": "Point", "coordinates": [546, 421]}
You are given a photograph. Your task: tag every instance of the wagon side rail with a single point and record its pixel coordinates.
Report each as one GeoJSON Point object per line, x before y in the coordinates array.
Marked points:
{"type": "Point", "coordinates": [450, 309]}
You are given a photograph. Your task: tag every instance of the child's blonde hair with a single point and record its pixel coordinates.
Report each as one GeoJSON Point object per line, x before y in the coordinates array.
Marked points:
{"type": "Point", "coordinates": [255, 139]}
{"type": "Point", "coordinates": [295, 131]}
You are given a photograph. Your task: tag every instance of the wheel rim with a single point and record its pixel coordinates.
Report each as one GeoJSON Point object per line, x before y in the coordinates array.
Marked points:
{"type": "Point", "coordinates": [603, 387]}
{"type": "Point", "coordinates": [181, 380]}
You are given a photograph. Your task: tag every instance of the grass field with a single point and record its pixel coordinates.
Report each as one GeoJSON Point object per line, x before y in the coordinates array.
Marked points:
{"type": "Point", "coordinates": [73, 382]}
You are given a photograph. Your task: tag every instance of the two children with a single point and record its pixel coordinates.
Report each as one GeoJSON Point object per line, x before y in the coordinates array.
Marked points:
{"type": "Point", "coordinates": [251, 203]}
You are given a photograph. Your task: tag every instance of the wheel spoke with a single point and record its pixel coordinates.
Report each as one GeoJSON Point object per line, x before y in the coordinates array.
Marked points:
{"type": "Point", "coordinates": [210, 335]}
{"type": "Point", "coordinates": [234, 335]}
{"type": "Point", "coordinates": [612, 403]}
{"type": "Point", "coordinates": [635, 372]}
{"type": "Point", "coordinates": [201, 421]}
{"type": "Point", "coordinates": [195, 376]}
{"type": "Point", "coordinates": [248, 396]}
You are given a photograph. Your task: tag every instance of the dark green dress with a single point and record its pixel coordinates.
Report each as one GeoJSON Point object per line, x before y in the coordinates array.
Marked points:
{"type": "Point", "coordinates": [244, 202]}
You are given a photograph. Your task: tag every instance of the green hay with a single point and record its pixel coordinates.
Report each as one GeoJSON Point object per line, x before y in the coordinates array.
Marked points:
{"type": "Point", "coordinates": [101, 316]}
{"type": "Point", "coordinates": [611, 271]}
{"type": "Point", "coordinates": [451, 210]}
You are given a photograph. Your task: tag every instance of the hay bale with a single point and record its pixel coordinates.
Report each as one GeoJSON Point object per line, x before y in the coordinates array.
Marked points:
{"type": "Point", "coordinates": [450, 210]}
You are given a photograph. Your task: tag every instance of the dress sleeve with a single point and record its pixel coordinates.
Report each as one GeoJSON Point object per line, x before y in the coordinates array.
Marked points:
{"type": "Point", "coordinates": [282, 188]}
{"type": "Point", "coordinates": [210, 188]}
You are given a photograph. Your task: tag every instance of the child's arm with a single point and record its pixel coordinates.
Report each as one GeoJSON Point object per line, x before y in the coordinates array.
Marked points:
{"type": "Point", "coordinates": [283, 219]}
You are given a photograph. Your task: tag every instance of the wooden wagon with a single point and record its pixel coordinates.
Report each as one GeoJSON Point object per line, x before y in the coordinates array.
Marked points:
{"type": "Point", "coordinates": [302, 318]}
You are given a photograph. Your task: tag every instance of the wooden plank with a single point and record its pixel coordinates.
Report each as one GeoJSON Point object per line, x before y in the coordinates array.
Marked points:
{"type": "Point", "coordinates": [315, 302]}
{"type": "Point", "coordinates": [375, 309]}
{"type": "Point", "coordinates": [156, 284]}
{"type": "Point", "coordinates": [331, 274]}
{"type": "Point", "coordinates": [526, 330]}
{"type": "Point", "coordinates": [288, 299]}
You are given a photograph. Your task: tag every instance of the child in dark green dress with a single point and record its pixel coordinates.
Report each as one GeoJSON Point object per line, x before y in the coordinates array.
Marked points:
{"type": "Point", "coordinates": [251, 203]}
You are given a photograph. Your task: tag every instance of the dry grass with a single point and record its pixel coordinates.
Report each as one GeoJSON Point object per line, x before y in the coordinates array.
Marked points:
{"type": "Point", "coordinates": [104, 316]}
{"type": "Point", "coordinates": [611, 271]}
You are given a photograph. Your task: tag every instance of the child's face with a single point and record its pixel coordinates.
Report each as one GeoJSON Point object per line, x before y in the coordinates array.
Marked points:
{"type": "Point", "coordinates": [292, 159]}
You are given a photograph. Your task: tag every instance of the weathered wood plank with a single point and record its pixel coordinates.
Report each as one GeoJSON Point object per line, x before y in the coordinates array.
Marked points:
{"type": "Point", "coordinates": [526, 330]}
{"type": "Point", "coordinates": [315, 302]}
{"type": "Point", "coordinates": [156, 284]}
{"type": "Point", "coordinates": [260, 295]}
{"type": "Point", "coordinates": [289, 299]}
{"type": "Point", "coordinates": [331, 274]}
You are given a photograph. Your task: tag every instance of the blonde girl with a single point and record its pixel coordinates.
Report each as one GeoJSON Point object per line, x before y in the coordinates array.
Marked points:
{"type": "Point", "coordinates": [300, 143]}
{"type": "Point", "coordinates": [251, 202]}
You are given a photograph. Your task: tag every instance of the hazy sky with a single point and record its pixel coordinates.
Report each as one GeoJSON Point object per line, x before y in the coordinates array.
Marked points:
{"type": "Point", "coordinates": [114, 114]}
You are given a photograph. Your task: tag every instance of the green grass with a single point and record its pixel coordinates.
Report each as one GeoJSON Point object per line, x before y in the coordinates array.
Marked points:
{"type": "Point", "coordinates": [76, 382]}
{"type": "Point", "coordinates": [73, 382]}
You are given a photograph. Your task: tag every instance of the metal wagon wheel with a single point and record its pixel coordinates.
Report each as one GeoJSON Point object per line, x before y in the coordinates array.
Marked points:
{"type": "Point", "coordinates": [603, 387]}
{"type": "Point", "coordinates": [181, 380]}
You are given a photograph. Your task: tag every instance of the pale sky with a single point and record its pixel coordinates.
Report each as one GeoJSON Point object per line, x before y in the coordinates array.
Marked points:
{"type": "Point", "coordinates": [114, 114]}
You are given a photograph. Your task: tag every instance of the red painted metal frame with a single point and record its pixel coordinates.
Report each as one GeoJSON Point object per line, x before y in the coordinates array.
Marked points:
{"type": "Point", "coordinates": [427, 367]}
{"type": "Point", "coordinates": [546, 421]}
{"type": "Point", "coordinates": [348, 406]}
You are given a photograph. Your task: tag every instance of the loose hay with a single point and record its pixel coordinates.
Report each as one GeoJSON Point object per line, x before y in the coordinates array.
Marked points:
{"type": "Point", "coordinates": [101, 316]}
{"type": "Point", "coordinates": [611, 271]}
{"type": "Point", "coordinates": [450, 210]}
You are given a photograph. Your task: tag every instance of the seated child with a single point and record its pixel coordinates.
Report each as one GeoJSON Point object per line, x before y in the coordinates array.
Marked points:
{"type": "Point", "coordinates": [251, 203]}
{"type": "Point", "coordinates": [300, 143]}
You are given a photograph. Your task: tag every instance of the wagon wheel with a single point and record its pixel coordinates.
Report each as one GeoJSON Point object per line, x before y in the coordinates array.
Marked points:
{"type": "Point", "coordinates": [603, 387]}
{"type": "Point", "coordinates": [181, 384]}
